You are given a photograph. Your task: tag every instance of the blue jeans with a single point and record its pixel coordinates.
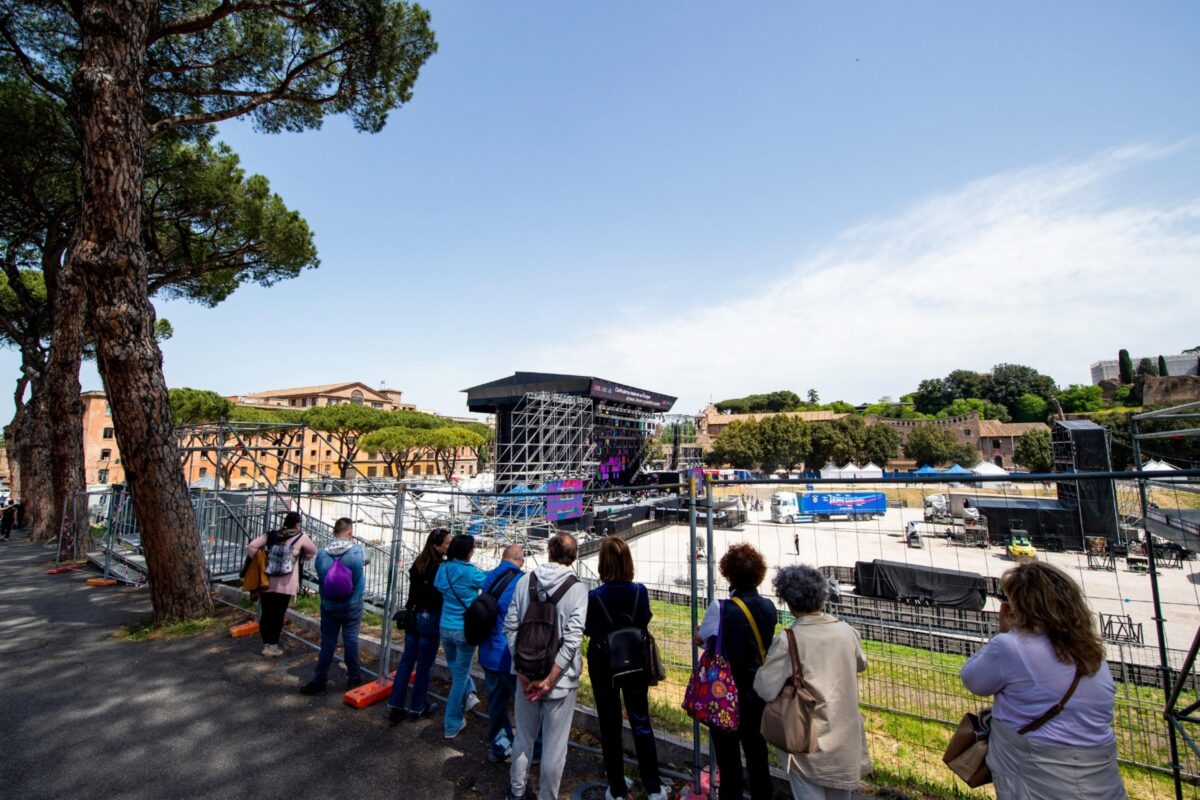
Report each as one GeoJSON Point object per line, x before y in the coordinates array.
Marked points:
{"type": "Point", "coordinates": [501, 688]}
{"type": "Point", "coordinates": [420, 649]}
{"type": "Point", "coordinates": [333, 623]}
{"type": "Point", "coordinates": [459, 656]}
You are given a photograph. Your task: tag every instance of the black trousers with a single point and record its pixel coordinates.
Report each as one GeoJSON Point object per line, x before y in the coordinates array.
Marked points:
{"type": "Point", "coordinates": [274, 609]}
{"type": "Point", "coordinates": [608, 710]}
{"type": "Point", "coordinates": [730, 745]}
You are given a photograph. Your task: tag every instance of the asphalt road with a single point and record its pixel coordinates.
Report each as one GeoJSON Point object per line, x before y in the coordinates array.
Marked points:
{"type": "Point", "coordinates": [84, 714]}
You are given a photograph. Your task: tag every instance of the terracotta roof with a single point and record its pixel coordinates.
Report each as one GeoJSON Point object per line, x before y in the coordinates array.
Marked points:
{"type": "Point", "coordinates": [322, 389]}
{"type": "Point", "coordinates": [994, 427]}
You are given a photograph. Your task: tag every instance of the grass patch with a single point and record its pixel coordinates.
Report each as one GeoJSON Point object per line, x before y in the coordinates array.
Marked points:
{"type": "Point", "coordinates": [180, 629]}
{"type": "Point", "coordinates": [310, 604]}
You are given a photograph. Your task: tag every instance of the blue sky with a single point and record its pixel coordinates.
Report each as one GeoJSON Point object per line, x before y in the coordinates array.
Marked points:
{"type": "Point", "coordinates": [709, 200]}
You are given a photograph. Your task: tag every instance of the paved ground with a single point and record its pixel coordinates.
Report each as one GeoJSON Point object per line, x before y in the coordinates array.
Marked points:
{"type": "Point", "coordinates": [88, 715]}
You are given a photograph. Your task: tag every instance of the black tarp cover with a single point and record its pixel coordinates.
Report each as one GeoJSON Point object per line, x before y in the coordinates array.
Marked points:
{"type": "Point", "coordinates": [893, 580]}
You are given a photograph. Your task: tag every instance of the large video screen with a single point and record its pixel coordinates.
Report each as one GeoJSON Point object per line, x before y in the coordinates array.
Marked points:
{"type": "Point", "coordinates": [564, 506]}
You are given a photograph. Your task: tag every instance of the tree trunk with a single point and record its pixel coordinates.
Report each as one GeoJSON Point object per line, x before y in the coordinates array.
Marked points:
{"type": "Point", "coordinates": [64, 408]}
{"type": "Point", "coordinates": [30, 448]}
{"type": "Point", "coordinates": [108, 254]}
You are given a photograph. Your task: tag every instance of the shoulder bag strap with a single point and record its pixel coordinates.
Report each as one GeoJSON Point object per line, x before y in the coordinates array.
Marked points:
{"type": "Point", "coordinates": [570, 581]}
{"type": "Point", "coordinates": [501, 582]}
{"type": "Point", "coordinates": [762, 653]}
{"type": "Point", "coordinates": [797, 667]}
{"type": "Point", "coordinates": [604, 608]}
{"type": "Point", "coordinates": [1055, 709]}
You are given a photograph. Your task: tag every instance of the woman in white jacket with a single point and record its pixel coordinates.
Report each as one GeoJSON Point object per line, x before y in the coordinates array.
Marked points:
{"type": "Point", "coordinates": [831, 658]}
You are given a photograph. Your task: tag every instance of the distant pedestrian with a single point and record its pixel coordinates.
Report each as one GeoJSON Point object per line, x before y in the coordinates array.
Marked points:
{"type": "Point", "coordinates": [495, 658]}
{"type": "Point", "coordinates": [286, 549]}
{"type": "Point", "coordinates": [340, 571]}
{"type": "Point", "coordinates": [422, 631]}
{"type": "Point", "coordinates": [20, 511]}
{"type": "Point", "coordinates": [796, 542]}
{"type": "Point", "coordinates": [459, 581]}
{"type": "Point", "coordinates": [620, 604]}
{"type": "Point", "coordinates": [8, 514]}
{"type": "Point", "coordinates": [548, 663]}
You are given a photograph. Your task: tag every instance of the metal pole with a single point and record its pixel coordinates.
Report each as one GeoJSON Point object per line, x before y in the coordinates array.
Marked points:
{"type": "Point", "coordinates": [108, 537]}
{"type": "Point", "coordinates": [389, 605]}
{"type": "Point", "coordinates": [695, 624]}
{"type": "Point", "coordinates": [712, 593]}
{"type": "Point", "coordinates": [1159, 622]}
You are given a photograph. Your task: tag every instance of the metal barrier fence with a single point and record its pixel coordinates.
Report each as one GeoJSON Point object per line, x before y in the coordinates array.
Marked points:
{"type": "Point", "coordinates": [1148, 599]}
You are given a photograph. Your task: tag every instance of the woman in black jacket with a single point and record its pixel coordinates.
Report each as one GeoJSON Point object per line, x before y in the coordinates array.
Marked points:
{"type": "Point", "coordinates": [749, 628]}
{"type": "Point", "coordinates": [422, 635]}
{"type": "Point", "coordinates": [620, 603]}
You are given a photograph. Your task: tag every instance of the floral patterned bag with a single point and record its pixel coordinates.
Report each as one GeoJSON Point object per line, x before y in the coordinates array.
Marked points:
{"type": "Point", "coordinates": [712, 696]}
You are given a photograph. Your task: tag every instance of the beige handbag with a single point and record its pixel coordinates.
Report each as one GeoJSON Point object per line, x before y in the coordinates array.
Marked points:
{"type": "Point", "coordinates": [788, 722]}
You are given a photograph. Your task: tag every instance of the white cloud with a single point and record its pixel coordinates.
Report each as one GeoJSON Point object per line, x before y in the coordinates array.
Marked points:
{"type": "Point", "coordinates": [1050, 266]}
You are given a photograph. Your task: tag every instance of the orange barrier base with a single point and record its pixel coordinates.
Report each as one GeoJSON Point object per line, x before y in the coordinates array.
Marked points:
{"type": "Point", "coordinates": [101, 582]}
{"type": "Point", "coordinates": [245, 629]}
{"type": "Point", "coordinates": [367, 694]}
{"type": "Point", "coordinates": [62, 569]}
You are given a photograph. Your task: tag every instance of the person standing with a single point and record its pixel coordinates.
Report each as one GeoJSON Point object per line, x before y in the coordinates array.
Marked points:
{"type": "Point", "coordinates": [459, 581]}
{"type": "Point", "coordinates": [286, 550]}
{"type": "Point", "coordinates": [8, 514]}
{"type": "Point", "coordinates": [796, 541]}
{"type": "Point", "coordinates": [831, 657]}
{"type": "Point", "coordinates": [495, 658]}
{"type": "Point", "coordinates": [422, 634]}
{"type": "Point", "coordinates": [749, 621]}
{"type": "Point", "coordinates": [617, 603]}
{"type": "Point", "coordinates": [1048, 655]}
{"type": "Point", "coordinates": [341, 605]}
{"type": "Point", "coordinates": [546, 702]}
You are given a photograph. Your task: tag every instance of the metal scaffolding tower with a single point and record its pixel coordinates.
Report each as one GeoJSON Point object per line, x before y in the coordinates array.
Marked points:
{"type": "Point", "coordinates": [549, 438]}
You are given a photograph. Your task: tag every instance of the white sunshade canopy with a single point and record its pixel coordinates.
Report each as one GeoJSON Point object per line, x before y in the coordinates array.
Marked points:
{"type": "Point", "coordinates": [988, 468]}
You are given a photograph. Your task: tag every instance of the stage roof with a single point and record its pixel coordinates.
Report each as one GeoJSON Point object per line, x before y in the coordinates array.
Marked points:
{"type": "Point", "coordinates": [489, 397]}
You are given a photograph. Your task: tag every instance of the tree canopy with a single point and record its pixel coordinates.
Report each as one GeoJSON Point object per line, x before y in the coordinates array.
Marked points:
{"type": "Point", "coordinates": [930, 445]}
{"type": "Point", "coordinates": [1032, 450]}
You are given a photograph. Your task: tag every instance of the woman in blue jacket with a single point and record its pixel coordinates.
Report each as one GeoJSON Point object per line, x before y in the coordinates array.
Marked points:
{"type": "Point", "coordinates": [459, 581]}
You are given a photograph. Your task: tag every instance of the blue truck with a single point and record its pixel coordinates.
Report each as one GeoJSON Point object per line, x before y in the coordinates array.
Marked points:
{"type": "Point", "coordinates": [789, 507]}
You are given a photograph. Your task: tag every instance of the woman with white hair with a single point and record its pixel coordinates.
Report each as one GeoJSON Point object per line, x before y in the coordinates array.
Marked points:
{"type": "Point", "coordinates": [830, 658]}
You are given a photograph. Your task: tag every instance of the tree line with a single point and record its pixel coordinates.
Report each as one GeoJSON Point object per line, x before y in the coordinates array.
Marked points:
{"type": "Point", "coordinates": [112, 192]}
{"type": "Point", "coordinates": [400, 438]}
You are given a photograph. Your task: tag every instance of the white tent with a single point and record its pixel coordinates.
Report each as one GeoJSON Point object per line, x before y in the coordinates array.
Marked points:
{"type": "Point", "coordinates": [830, 470]}
{"type": "Point", "coordinates": [851, 470]}
{"type": "Point", "coordinates": [871, 470]}
{"type": "Point", "coordinates": [988, 468]}
{"type": "Point", "coordinates": [1161, 466]}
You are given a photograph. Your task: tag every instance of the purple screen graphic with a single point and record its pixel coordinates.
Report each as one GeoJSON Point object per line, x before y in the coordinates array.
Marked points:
{"type": "Point", "coordinates": [564, 506]}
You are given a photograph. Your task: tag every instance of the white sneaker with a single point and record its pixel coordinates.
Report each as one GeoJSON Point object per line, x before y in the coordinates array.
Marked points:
{"type": "Point", "coordinates": [608, 795]}
{"type": "Point", "coordinates": [471, 701]}
{"type": "Point", "coordinates": [661, 794]}
{"type": "Point", "coordinates": [266, 651]}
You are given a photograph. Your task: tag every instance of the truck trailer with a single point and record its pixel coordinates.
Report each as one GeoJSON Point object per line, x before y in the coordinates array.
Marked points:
{"type": "Point", "coordinates": [789, 507]}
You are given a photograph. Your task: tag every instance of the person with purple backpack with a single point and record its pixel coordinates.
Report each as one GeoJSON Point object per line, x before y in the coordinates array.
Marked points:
{"type": "Point", "coordinates": [340, 571]}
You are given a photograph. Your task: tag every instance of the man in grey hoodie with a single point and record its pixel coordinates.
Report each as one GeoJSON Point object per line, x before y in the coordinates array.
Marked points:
{"type": "Point", "coordinates": [548, 704]}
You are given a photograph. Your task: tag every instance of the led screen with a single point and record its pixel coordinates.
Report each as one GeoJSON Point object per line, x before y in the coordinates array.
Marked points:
{"type": "Point", "coordinates": [564, 506]}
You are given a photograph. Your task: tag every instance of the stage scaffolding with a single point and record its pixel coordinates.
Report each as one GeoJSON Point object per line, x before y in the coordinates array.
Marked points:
{"type": "Point", "coordinates": [549, 438]}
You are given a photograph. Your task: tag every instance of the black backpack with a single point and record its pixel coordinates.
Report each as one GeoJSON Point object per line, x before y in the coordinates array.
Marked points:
{"type": "Point", "coordinates": [628, 647]}
{"type": "Point", "coordinates": [479, 618]}
{"type": "Point", "coordinates": [538, 636]}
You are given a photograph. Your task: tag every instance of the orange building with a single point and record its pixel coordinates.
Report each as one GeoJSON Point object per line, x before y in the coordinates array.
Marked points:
{"type": "Point", "coordinates": [101, 456]}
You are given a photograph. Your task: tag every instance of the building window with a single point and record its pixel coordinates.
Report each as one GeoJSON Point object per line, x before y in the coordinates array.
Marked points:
{"type": "Point", "coordinates": [107, 433]}
{"type": "Point", "coordinates": [203, 472]}
{"type": "Point", "coordinates": [356, 397]}
{"type": "Point", "coordinates": [291, 401]}
{"type": "Point", "coordinates": [313, 453]}
{"type": "Point", "coordinates": [103, 476]}
{"type": "Point", "coordinates": [967, 432]}
{"type": "Point", "coordinates": [995, 444]}
{"type": "Point", "coordinates": [329, 454]}
{"type": "Point", "coordinates": [242, 485]}
{"type": "Point", "coordinates": [105, 454]}
{"type": "Point", "coordinates": [371, 471]}
{"type": "Point", "coordinates": [376, 405]}
{"type": "Point", "coordinates": [107, 410]}
{"type": "Point", "coordinates": [246, 471]}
